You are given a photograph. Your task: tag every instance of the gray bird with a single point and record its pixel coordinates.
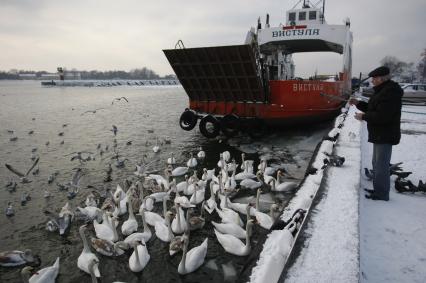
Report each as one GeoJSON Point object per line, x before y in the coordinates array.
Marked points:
{"type": "Point", "coordinates": [119, 99]}
{"type": "Point", "coordinates": [9, 210]}
{"type": "Point", "coordinates": [21, 175]}
{"type": "Point", "coordinates": [92, 111]}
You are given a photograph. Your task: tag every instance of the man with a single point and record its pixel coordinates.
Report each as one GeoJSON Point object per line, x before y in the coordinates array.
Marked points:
{"type": "Point", "coordinates": [383, 116]}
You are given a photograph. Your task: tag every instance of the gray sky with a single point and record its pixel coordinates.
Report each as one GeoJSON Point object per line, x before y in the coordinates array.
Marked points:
{"type": "Point", "coordinates": [128, 34]}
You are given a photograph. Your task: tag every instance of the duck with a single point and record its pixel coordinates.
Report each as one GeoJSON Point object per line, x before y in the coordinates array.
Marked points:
{"type": "Point", "coordinates": [193, 259]}
{"type": "Point", "coordinates": [179, 224]}
{"type": "Point", "coordinates": [109, 248]}
{"type": "Point", "coordinates": [232, 244]}
{"type": "Point", "coordinates": [138, 236]}
{"type": "Point", "coordinates": [139, 258]}
{"type": "Point", "coordinates": [87, 256]}
{"type": "Point", "coordinates": [192, 162]}
{"type": "Point", "coordinates": [196, 222]}
{"type": "Point", "coordinates": [44, 275]}
{"type": "Point", "coordinates": [130, 225]}
{"type": "Point", "coordinates": [163, 231]}
{"type": "Point", "coordinates": [17, 258]}
{"type": "Point", "coordinates": [201, 154]}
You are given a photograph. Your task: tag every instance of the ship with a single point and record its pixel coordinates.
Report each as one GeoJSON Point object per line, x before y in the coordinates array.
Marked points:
{"type": "Point", "coordinates": [252, 86]}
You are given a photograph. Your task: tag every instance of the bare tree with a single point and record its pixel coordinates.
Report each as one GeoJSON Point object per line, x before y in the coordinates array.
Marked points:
{"type": "Point", "coordinates": [421, 67]}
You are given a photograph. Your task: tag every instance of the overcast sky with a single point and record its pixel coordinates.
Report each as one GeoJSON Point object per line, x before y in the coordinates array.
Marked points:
{"type": "Point", "coordinates": [128, 34]}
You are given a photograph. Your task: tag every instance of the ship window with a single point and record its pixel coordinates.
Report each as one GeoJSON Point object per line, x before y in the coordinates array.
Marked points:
{"type": "Point", "coordinates": [302, 16]}
{"type": "Point", "coordinates": [292, 17]}
{"type": "Point", "coordinates": [312, 15]}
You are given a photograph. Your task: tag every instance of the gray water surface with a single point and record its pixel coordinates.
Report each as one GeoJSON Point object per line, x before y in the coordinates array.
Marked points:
{"type": "Point", "coordinates": [152, 112]}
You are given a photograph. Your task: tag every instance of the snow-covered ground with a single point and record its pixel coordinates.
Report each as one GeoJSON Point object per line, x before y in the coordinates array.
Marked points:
{"type": "Point", "coordinates": [350, 238]}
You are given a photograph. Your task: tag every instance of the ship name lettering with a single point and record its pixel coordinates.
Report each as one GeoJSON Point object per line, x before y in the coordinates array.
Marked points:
{"type": "Point", "coordinates": [307, 87]}
{"type": "Point", "coordinates": [294, 32]}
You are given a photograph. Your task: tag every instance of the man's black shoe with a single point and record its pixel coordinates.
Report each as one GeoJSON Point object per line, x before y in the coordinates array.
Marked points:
{"type": "Point", "coordinates": [369, 191]}
{"type": "Point", "coordinates": [373, 197]}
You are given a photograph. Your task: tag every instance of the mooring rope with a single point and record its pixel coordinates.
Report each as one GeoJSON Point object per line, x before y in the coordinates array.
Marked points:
{"type": "Point", "coordinates": [412, 112]}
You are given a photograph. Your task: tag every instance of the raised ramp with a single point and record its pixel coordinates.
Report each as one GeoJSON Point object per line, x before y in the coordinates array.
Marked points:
{"type": "Point", "coordinates": [220, 73]}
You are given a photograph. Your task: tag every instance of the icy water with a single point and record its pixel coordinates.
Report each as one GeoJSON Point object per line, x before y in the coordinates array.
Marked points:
{"type": "Point", "coordinates": [151, 113]}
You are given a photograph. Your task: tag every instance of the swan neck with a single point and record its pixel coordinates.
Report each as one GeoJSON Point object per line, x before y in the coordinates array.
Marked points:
{"type": "Point", "coordinates": [86, 248]}
{"type": "Point", "coordinates": [131, 214]}
{"type": "Point", "coordinates": [114, 229]}
{"type": "Point", "coordinates": [145, 226]}
{"type": "Point", "coordinates": [257, 200]}
{"type": "Point", "coordinates": [138, 262]}
{"type": "Point", "coordinates": [183, 260]}
{"type": "Point", "coordinates": [248, 232]}
{"type": "Point", "coordinates": [164, 207]}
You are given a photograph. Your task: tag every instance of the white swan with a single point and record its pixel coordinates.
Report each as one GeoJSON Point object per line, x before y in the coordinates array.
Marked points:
{"type": "Point", "coordinates": [179, 224]}
{"type": "Point", "coordinates": [192, 162]}
{"type": "Point", "coordinates": [252, 184]}
{"type": "Point", "coordinates": [265, 220]}
{"type": "Point", "coordinates": [87, 256]}
{"type": "Point", "coordinates": [147, 203]}
{"type": "Point", "coordinates": [182, 186]}
{"type": "Point", "coordinates": [163, 231]}
{"type": "Point", "coordinates": [130, 225]}
{"type": "Point", "coordinates": [233, 245]}
{"type": "Point", "coordinates": [179, 171]}
{"type": "Point", "coordinates": [201, 154]}
{"type": "Point", "coordinates": [193, 259]}
{"type": "Point", "coordinates": [161, 181]}
{"type": "Point", "coordinates": [207, 174]}
{"type": "Point", "coordinates": [90, 212]}
{"type": "Point", "coordinates": [182, 201]}
{"type": "Point", "coordinates": [230, 228]}
{"type": "Point", "coordinates": [151, 217]}
{"type": "Point", "coordinates": [228, 215]}
{"type": "Point", "coordinates": [277, 186]}
{"type": "Point", "coordinates": [198, 195]}
{"type": "Point", "coordinates": [211, 202]}
{"type": "Point", "coordinates": [105, 230]}
{"type": "Point", "coordinates": [45, 275]}
{"type": "Point", "coordinates": [156, 147]}
{"type": "Point", "coordinates": [226, 156]}
{"type": "Point", "coordinates": [171, 160]}
{"type": "Point", "coordinates": [139, 258]}
{"type": "Point", "coordinates": [139, 236]}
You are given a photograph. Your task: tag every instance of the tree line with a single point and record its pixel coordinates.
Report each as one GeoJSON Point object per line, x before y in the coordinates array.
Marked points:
{"type": "Point", "coordinates": [134, 74]}
{"type": "Point", "coordinates": [406, 71]}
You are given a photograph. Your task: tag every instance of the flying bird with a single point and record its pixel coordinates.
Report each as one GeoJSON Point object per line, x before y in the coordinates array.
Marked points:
{"type": "Point", "coordinates": [21, 175]}
{"type": "Point", "coordinates": [119, 99]}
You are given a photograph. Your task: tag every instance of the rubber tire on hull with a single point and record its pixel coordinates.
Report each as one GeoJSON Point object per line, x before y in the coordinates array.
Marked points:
{"type": "Point", "coordinates": [188, 120]}
{"type": "Point", "coordinates": [256, 127]}
{"type": "Point", "coordinates": [230, 125]}
{"type": "Point", "coordinates": [203, 126]}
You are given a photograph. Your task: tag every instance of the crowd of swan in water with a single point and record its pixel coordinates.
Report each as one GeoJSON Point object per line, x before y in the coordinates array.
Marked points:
{"type": "Point", "coordinates": [190, 199]}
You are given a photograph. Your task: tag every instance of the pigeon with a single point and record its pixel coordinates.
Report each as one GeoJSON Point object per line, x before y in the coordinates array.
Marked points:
{"type": "Point", "coordinates": [402, 185]}
{"type": "Point", "coordinates": [369, 173]}
{"type": "Point", "coordinates": [21, 175]}
{"type": "Point", "coordinates": [114, 129]}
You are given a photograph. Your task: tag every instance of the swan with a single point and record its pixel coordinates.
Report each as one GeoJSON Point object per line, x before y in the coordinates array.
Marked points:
{"type": "Point", "coordinates": [148, 203]}
{"type": "Point", "coordinates": [86, 255]}
{"type": "Point", "coordinates": [201, 154]}
{"type": "Point", "coordinates": [105, 230]}
{"type": "Point", "coordinates": [252, 184]}
{"type": "Point", "coordinates": [193, 259]}
{"type": "Point", "coordinates": [198, 196]}
{"type": "Point", "coordinates": [182, 201]}
{"type": "Point", "coordinates": [207, 174]}
{"type": "Point", "coordinates": [108, 248]}
{"type": "Point", "coordinates": [151, 217]}
{"type": "Point", "coordinates": [182, 186]}
{"type": "Point", "coordinates": [179, 171]}
{"type": "Point", "coordinates": [45, 275]}
{"type": "Point", "coordinates": [145, 235]}
{"type": "Point", "coordinates": [139, 258]}
{"type": "Point", "coordinates": [16, 258]}
{"type": "Point", "coordinates": [130, 225]}
{"type": "Point", "coordinates": [179, 224]}
{"type": "Point", "coordinates": [265, 220]}
{"type": "Point", "coordinates": [246, 165]}
{"type": "Point", "coordinates": [221, 163]}
{"type": "Point", "coordinates": [211, 202]}
{"type": "Point", "coordinates": [244, 175]}
{"type": "Point", "coordinates": [192, 162]}
{"type": "Point", "coordinates": [232, 244]}
{"type": "Point", "coordinates": [90, 212]}
{"type": "Point", "coordinates": [231, 229]}
{"type": "Point", "coordinates": [228, 215]}
{"type": "Point", "coordinates": [175, 245]}
{"type": "Point", "coordinates": [160, 179]}
{"type": "Point", "coordinates": [164, 231]}
{"type": "Point", "coordinates": [242, 208]}
{"type": "Point", "coordinates": [226, 156]}
{"type": "Point", "coordinates": [171, 160]}
{"type": "Point", "coordinates": [156, 147]}
{"type": "Point", "coordinates": [230, 182]}
{"type": "Point", "coordinates": [277, 186]}
{"type": "Point", "coordinates": [196, 222]}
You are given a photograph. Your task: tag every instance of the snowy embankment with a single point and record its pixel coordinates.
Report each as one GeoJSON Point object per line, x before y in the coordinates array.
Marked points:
{"type": "Point", "coordinates": [332, 251]}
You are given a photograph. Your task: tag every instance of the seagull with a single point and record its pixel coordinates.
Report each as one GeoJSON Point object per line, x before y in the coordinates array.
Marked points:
{"type": "Point", "coordinates": [23, 176]}
{"type": "Point", "coordinates": [91, 111]}
{"type": "Point", "coordinates": [119, 99]}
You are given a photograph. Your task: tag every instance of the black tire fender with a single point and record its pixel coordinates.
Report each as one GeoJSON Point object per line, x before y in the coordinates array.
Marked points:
{"type": "Point", "coordinates": [209, 133]}
{"type": "Point", "coordinates": [188, 120]}
{"type": "Point", "coordinates": [230, 125]}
